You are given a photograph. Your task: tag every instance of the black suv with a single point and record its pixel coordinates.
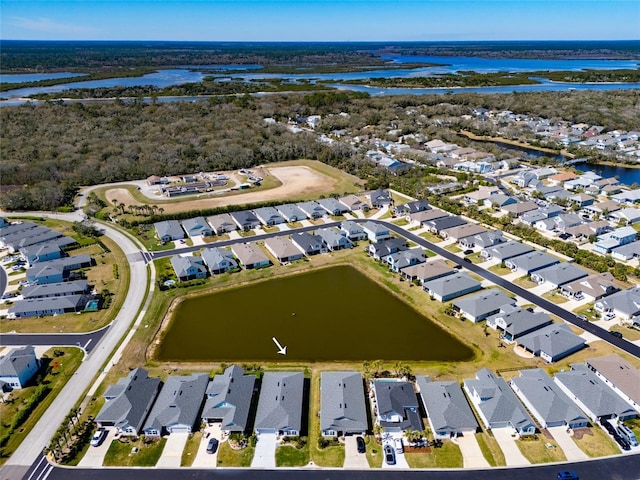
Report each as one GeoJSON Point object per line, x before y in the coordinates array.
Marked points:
{"type": "Point", "coordinates": [361, 445]}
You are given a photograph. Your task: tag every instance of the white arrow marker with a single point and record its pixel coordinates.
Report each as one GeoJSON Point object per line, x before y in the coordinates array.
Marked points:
{"type": "Point", "coordinates": [282, 350]}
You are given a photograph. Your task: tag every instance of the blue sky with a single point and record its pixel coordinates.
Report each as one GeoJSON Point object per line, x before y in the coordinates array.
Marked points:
{"type": "Point", "coordinates": [320, 20]}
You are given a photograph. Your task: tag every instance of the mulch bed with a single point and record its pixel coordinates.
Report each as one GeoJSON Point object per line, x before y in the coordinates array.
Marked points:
{"type": "Point", "coordinates": [578, 433]}
{"type": "Point", "coordinates": [546, 433]}
{"type": "Point", "coordinates": [417, 449]}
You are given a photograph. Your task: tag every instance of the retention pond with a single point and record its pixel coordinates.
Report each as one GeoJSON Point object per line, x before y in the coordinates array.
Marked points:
{"type": "Point", "coordinates": [333, 314]}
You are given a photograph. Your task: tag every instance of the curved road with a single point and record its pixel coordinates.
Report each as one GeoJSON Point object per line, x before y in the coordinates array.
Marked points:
{"type": "Point", "coordinates": [86, 341]}
{"type": "Point", "coordinates": [30, 450]}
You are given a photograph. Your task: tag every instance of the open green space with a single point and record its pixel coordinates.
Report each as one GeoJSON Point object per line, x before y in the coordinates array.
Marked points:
{"type": "Point", "coordinates": [490, 449]}
{"type": "Point", "coordinates": [316, 315]}
{"type": "Point", "coordinates": [374, 452]}
{"type": "Point", "coordinates": [191, 449]}
{"type": "Point", "coordinates": [555, 297]}
{"type": "Point", "coordinates": [54, 373]}
{"type": "Point", "coordinates": [228, 457]}
{"type": "Point", "coordinates": [446, 456]}
{"type": "Point", "coordinates": [290, 456]}
{"type": "Point", "coordinates": [539, 449]}
{"type": "Point", "coordinates": [120, 453]}
{"type": "Point", "coordinates": [596, 443]}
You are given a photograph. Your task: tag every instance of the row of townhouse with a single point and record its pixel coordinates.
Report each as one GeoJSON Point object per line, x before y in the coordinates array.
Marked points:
{"type": "Point", "coordinates": [171, 230]}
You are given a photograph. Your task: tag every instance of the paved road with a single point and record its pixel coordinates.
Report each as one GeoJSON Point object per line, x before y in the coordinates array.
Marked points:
{"type": "Point", "coordinates": [86, 341]}
{"type": "Point", "coordinates": [623, 467]}
{"type": "Point", "coordinates": [30, 450]}
{"type": "Point", "coordinates": [3, 281]}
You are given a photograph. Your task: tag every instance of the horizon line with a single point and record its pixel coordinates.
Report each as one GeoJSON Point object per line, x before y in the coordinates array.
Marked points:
{"type": "Point", "coordinates": [320, 41]}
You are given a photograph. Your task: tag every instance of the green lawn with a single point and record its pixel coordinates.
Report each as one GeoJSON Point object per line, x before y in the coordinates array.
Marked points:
{"type": "Point", "coordinates": [536, 451]}
{"type": "Point", "coordinates": [246, 233]}
{"type": "Point", "coordinates": [385, 215]}
{"type": "Point", "coordinates": [555, 297]}
{"type": "Point", "coordinates": [630, 333]}
{"type": "Point", "coordinates": [525, 282]}
{"type": "Point", "coordinates": [289, 456]}
{"type": "Point", "coordinates": [270, 228]}
{"type": "Point", "coordinates": [374, 452]}
{"type": "Point", "coordinates": [491, 450]}
{"type": "Point", "coordinates": [597, 444]}
{"type": "Point", "coordinates": [119, 453]}
{"type": "Point", "coordinates": [447, 456]}
{"type": "Point", "coordinates": [401, 222]}
{"type": "Point", "coordinates": [228, 457]}
{"type": "Point", "coordinates": [191, 449]}
{"type": "Point", "coordinates": [476, 258]}
{"type": "Point", "coordinates": [500, 271]}
{"type": "Point", "coordinates": [453, 248]}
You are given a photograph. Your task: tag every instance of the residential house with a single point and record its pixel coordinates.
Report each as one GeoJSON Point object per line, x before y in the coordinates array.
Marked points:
{"type": "Point", "coordinates": [423, 272]}
{"type": "Point", "coordinates": [61, 289]}
{"type": "Point", "coordinates": [451, 286]}
{"type": "Point", "coordinates": [353, 230]}
{"type": "Point", "coordinates": [440, 224]}
{"type": "Point", "coordinates": [332, 206]}
{"type": "Point", "coordinates": [381, 250]}
{"type": "Point", "coordinates": [8, 230]}
{"type": "Point", "coordinates": [514, 322]}
{"type": "Point", "coordinates": [40, 252]}
{"type": "Point", "coordinates": [481, 305]}
{"type": "Point", "coordinates": [228, 400]}
{"type": "Point", "coordinates": [308, 244]}
{"type": "Point", "coordinates": [500, 200]}
{"type": "Point", "coordinates": [169, 230]}
{"type": "Point", "coordinates": [557, 275]}
{"type": "Point", "coordinates": [421, 218]}
{"type": "Point", "coordinates": [616, 238]}
{"type": "Point", "coordinates": [546, 401]}
{"type": "Point", "coordinates": [624, 304]}
{"type": "Point", "coordinates": [525, 179]}
{"type": "Point", "coordinates": [593, 288]}
{"type": "Point", "coordinates": [18, 367]}
{"type": "Point", "coordinates": [496, 403]}
{"type": "Point", "coordinates": [30, 237]}
{"type": "Point", "coordinates": [39, 307]}
{"type": "Point", "coordinates": [462, 231]}
{"type": "Point", "coordinates": [396, 405]}
{"type": "Point", "coordinates": [312, 209]}
{"type": "Point", "coordinates": [283, 249]}
{"type": "Point", "coordinates": [177, 407]}
{"type": "Point", "coordinates": [412, 207]}
{"type": "Point", "coordinates": [546, 225]}
{"type": "Point", "coordinates": [342, 404]}
{"type": "Point", "coordinates": [629, 197]}
{"type": "Point", "coordinates": [406, 258]}
{"type": "Point", "coordinates": [519, 208]}
{"type": "Point", "coordinates": [437, 146]}
{"type": "Point", "coordinates": [334, 239]}
{"type": "Point", "coordinates": [622, 377]}
{"type": "Point", "coordinates": [222, 223]}
{"type": "Point", "coordinates": [128, 402]}
{"type": "Point", "coordinates": [582, 199]}
{"type": "Point", "coordinates": [55, 271]}
{"type": "Point", "coordinates": [218, 260]}
{"type": "Point", "coordinates": [379, 198]}
{"type": "Point", "coordinates": [552, 343]}
{"type": "Point", "coordinates": [587, 229]}
{"type": "Point", "coordinates": [291, 213]}
{"type": "Point", "coordinates": [245, 220]}
{"type": "Point", "coordinates": [626, 252]}
{"type": "Point", "coordinates": [448, 410]}
{"type": "Point", "coordinates": [560, 178]}
{"type": "Point", "coordinates": [480, 195]}
{"type": "Point", "coordinates": [530, 262]}
{"type": "Point", "coordinates": [354, 203]}
{"type": "Point", "coordinates": [188, 267]}
{"type": "Point", "coordinates": [592, 395]}
{"type": "Point", "coordinates": [250, 256]}
{"type": "Point", "coordinates": [376, 232]}
{"type": "Point", "coordinates": [505, 251]}
{"type": "Point", "coordinates": [602, 208]}
{"type": "Point", "coordinates": [566, 221]}
{"type": "Point", "coordinates": [628, 216]}
{"type": "Point", "coordinates": [197, 227]}
{"type": "Point", "coordinates": [280, 404]}
{"type": "Point", "coordinates": [268, 216]}
{"type": "Point", "coordinates": [483, 240]}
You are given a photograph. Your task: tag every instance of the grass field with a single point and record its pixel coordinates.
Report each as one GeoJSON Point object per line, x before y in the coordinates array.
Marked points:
{"type": "Point", "coordinates": [490, 449]}
{"type": "Point", "coordinates": [288, 456]}
{"type": "Point", "coordinates": [447, 456]}
{"type": "Point", "coordinates": [536, 451]}
{"type": "Point", "coordinates": [228, 457]}
{"type": "Point", "coordinates": [120, 453]}
{"type": "Point", "coordinates": [598, 444]}
{"type": "Point", "coordinates": [191, 449]}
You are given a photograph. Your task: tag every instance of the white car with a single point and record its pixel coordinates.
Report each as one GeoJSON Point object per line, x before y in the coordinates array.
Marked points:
{"type": "Point", "coordinates": [609, 316]}
{"type": "Point", "coordinates": [98, 437]}
{"type": "Point", "coordinates": [397, 442]}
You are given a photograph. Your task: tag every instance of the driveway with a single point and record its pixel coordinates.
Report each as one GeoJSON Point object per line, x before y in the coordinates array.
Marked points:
{"type": "Point", "coordinates": [353, 459]}
{"type": "Point", "coordinates": [471, 454]}
{"type": "Point", "coordinates": [95, 455]}
{"type": "Point", "coordinates": [512, 454]}
{"type": "Point", "coordinates": [401, 461]}
{"type": "Point", "coordinates": [204, 459]}
{"type": "Point", "coordinates": [566, 443]}
{"type": "Point", "coordinates": [265, 454]}
{"type": "Point", "coordinates": [172, 454]}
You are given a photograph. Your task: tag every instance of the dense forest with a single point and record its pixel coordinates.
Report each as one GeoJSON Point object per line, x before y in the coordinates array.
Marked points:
{"type": "Point", "coordinates": [53, 148]}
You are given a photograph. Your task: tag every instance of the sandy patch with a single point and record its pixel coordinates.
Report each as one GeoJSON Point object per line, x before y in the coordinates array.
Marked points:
{"type": "Point", "coordinates": [296, 182]}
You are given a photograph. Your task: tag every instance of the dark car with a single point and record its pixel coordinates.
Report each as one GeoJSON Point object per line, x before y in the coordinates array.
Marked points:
{"type": "Point", "coordinates": [623, 443]}
{"type": "Point", "coordinates": [212, 446]}
{"type": "Point", "coordinates": [467, 259]}
{"type": "Point", "coordinates": [616, 334]}
{"type": "Point", "coordinates": [564, 236]}
{"type": "Point", "coordinates": [361, 445]}
{"type": "Point", "coordinates": [389, 455]}
{"type": "Point", "coordinates": [567, 475]}
{"type": "Point", "coordinates": [467, 252]}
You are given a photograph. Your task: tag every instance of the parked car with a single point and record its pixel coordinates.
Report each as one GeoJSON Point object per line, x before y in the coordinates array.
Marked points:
{"type": "Point", "coordinates": [626, 433]}
{"type": "Point", "coordinates": [609, 316]}
{"type": "Point", "coordinates": [608, 427]}
{"type": "Point", "coordinates": [616, 334]}
{"type": "Point", "coordinates": [467, 252]}
{"type": "Point", "coordinates": [212, 446]}
{"type": "Point", "coordinates": [398, 444]}
{"type": "Point", "coordinates": [98, 437]}
{"type": "Point", "coordinates": [361, 445]}
{"type": "Point", "coordinates": [567, 475]}
{"type": "Point", "coordinates": [467, 259]}
{"type": "Point", "coordinates": [389, 455]}
{"type": "Point", "coordinates": [582, 317]}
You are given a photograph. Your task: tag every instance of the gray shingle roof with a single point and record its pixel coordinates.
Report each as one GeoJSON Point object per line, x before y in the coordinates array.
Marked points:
{"type": "Point", "coordinates": [398, 398]}
{"type": "Point", "coordinates": [249, 253]}
{"type": "Point", "coordinates": [268, 215]}
{"type": "Point", "coordinates": [342, 402]}
{"type": "Point", "coordinates": [332, 205]}
{"type": "Point", "coordinates": [169, 229]}
{"type": "Point", "coordinates": [388, 246]}
{"type": "Point", "coordinates": [375, 227]}
{"type": "Point", "coordinates": [17, 360]}
{"type": "Point", "coordinates": [245, 219]}
{"type": "Point", "coordinates": [196, 226]}
{"type": "Point", "coordinates": [181, 264]}
{"type": "Point", "coordinates": [484, 302]}
{"type": "Point", "coordinates": [560, 274]}
{"type": "Point", "coordinates": [48, 305]}
{"type": "Point", "coordinates": [291, 213]}
{"type": "Point", "coordinates": [178, 403]}
{"type": "Point", "coordinates": [451, 284]}
{"type": "Point", "coordinates": [307, 242]}
{"type": "Point", "coordinates": [229, 398]}
{"type": "Point", "coordinates": [333, 238]}
{"type": "Point", "coordinates": [446, 406]}
{"type": "Point", "coordinates": [598, 285]}
{"type": "Point", "coordinates": [33, 239]}
{"type": "Point", "coordinates": [16, 227]}
{"type": "Point", "coordinates": [517, 321]}
{"type": "Point", "coordinates": [507, 250]}
{"type": "Point", "coordinates": [55, 289]}
{"type": "Point", "coordinates": [626, 302]}
{"type": "Point", "coordinates": [222, 223]}
{"type": "Point", "coordinates": [130, 408]}
{"type": "Point", "coordinates": [312, 209]}
{"type": "Point", "coordinates": [444, 223]}
{"type": "Point", "coordinates": [620, 373]}
{"type": "Point", "coordinates": [532, 261]}
{"type": "Point", "coordinates": [352, 228]}
{"type": "Point", "coordinates": [428, 270]}
{"type": "Point", "coordinates": [594, 394]}
{"type": "Point", "coordinates": [555, 340]}
{"type": "Point", "coordinates": [217, 259]}
{"type": "Point", "coordinates": [280, 403]}
{"type": "Point", "coordinates": [550, 403]}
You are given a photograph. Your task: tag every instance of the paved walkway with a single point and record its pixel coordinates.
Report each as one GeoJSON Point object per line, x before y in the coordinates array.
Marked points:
{"type": "Point", "coordinates": [512, 454]}
{"type": "Point", "coordinates": [204, 459]}
{"type": "Point", "coordinates": [353, 459]}
{"type": "Point", "coordinates": [471, 454]}
{"type": "Point", "coordinates": [566, 443]}
{"type": "Point", "coordinates": [172, 454]}
{"type": "Point", "coordinates": [95, 455]}
{"type": "Point", "coordinates": [265, 454]}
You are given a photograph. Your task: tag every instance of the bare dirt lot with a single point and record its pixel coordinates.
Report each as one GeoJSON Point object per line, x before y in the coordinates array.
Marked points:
{"type": "Point", "coordinates": [297, 181]}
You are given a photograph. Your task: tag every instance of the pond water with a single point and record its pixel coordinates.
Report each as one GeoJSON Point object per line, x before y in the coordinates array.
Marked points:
{"type": "Point", "coordinates": [34, 77]}
{"type": "Point", "coordinates": [331, 314]}
{"type": "Point", "coordinates": [531, 152]}
{"type": "Point", "coordinates": [628, 176]}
